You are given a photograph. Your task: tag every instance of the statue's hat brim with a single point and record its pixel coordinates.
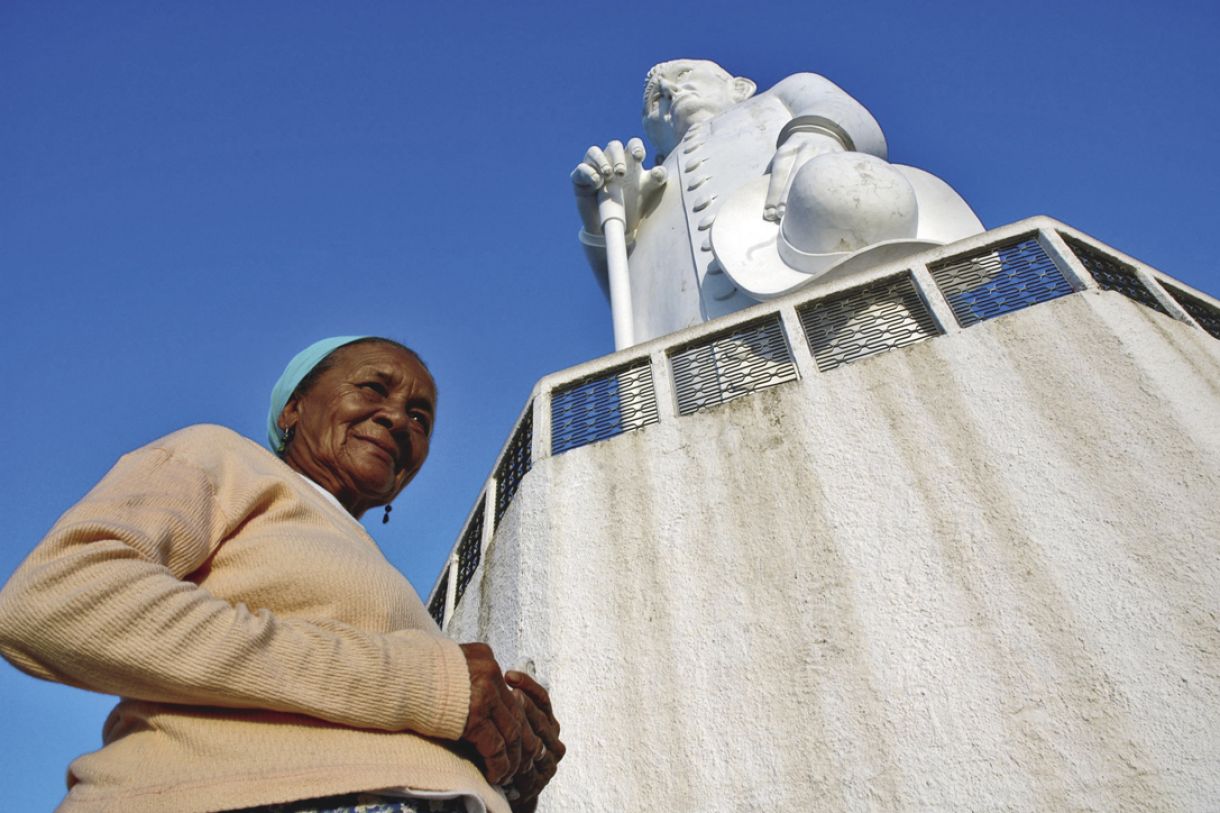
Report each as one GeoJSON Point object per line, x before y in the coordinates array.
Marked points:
{"type": "Point", "coordinates": [748, 248]}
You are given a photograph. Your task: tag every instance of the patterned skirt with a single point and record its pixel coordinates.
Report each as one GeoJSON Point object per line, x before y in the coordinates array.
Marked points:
{"type": "Point", "coordinates": [362, 803]}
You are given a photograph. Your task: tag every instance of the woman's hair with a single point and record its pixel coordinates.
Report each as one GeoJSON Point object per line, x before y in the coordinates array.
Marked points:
{"type": "Point", "coordinates": [311, 378]}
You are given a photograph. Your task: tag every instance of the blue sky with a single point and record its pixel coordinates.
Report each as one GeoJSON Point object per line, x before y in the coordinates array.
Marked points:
{"type": "Point", "coordinates": [191, 192]}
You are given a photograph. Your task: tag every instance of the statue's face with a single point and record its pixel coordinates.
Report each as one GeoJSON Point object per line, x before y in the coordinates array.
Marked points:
{"type": "Point", "coordinates": [685, 92]}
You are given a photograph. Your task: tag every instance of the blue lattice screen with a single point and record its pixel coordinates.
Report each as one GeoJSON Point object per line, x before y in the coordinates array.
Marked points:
{"type": "Point", "coordinates": [1111, 274]}
{"type": "Point", "coordinates": [599, 408]}
{"type": "Point", "coordinates": [517, 460]}
{"type": "Point", "coordinates": [864, 321]}
{"type": "Point", "coordinates": [730, 365]}
{"type": "Point", "coordinates": [998, 280]}
{"type": "Point", "coordinates": [469, 551]}
{"type": "Point", "coordinates": [436, 608]}
{"type": "Point", "coordinates": [1208, 316]}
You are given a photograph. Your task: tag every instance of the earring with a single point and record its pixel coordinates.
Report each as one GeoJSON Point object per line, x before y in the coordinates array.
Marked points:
{"type": "Point", "coordinates": [385, 518]}
{"type": "Point", "coordinates": [289, 434]}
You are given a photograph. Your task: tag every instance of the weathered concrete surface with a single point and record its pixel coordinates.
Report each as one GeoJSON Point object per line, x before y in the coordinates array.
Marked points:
{"type": "Point", "coordinates": [980, 573]}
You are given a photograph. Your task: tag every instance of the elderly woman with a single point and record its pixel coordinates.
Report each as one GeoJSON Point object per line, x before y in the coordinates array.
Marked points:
{"type": "Point", "coordinates": [267, 655]}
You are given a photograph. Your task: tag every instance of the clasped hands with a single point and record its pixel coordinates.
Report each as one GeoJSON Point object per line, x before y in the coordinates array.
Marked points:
{"type": "Point", "coordinates": [511, 727]}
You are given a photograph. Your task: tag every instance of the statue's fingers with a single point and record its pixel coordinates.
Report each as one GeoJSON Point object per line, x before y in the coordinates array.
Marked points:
{"type": "Point", "coordinates": [771, 205]}
{"type": "Point", "coordinates": [653, 180]}
{"type": "Point", "coordinates": [781, 169]}
{"type": "Point", "coordinates": [616, 157]}
{"type": "Point", "coordinates": [586, 177]}
{"type": "Point", "coordinates": [635, 148]}
{"type": "Point", "coordinates": [596, 158]}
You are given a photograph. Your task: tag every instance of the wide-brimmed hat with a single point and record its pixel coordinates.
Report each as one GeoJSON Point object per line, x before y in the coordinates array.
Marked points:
{"type": "Point", "coordinates": [844, 211]}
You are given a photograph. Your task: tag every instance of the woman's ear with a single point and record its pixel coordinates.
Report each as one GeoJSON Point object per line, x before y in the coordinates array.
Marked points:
{"type": "Point", "coordinates": [290, 414]}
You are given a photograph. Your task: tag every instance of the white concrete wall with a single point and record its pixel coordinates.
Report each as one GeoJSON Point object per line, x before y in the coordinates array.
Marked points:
{"type": "Point", "coordinates": [982, 572]}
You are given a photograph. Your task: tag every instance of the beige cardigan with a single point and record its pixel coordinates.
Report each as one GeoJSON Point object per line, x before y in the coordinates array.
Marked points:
{"type": "Point", "coordinates": [264, 648]}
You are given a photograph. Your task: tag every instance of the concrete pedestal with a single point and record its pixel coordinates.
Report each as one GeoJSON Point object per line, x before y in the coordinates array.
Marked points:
{"type": "Point", "coordinates": [981, 572]}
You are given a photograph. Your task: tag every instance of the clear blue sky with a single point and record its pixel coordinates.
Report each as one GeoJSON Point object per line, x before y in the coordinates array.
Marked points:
{"type": "Point", "coordinates": [191, 192]}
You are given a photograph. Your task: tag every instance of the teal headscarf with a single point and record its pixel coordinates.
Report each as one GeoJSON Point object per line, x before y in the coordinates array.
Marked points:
{"type": "Point", "coordinates": [300, 366]}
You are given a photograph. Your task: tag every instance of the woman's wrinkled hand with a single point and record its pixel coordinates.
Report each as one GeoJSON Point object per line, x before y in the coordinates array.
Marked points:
{"type": "Point", "coordinates": [495, 722]}
{"type": "Point", "coordinates": [541, 747]}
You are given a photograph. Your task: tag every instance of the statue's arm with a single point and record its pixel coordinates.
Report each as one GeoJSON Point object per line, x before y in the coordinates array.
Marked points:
{"type": "Point", "coordinates": [816, 100]}
{"type": "Point", "coordinates": [822, 119]}
{"type": "Point", "coordinates": [594, 246]}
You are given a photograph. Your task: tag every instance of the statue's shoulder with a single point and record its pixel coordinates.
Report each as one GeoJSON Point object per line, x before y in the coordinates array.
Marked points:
{"type": "Point", "coordinates": [803, 83]}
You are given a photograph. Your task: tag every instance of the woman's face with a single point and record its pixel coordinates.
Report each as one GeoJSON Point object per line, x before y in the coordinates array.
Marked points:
{"type": "Point", "coordinates": [362, 430]}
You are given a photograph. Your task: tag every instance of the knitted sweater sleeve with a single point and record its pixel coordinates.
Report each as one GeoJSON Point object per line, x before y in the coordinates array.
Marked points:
{"type": "Point", "coordinates": [104, 603]}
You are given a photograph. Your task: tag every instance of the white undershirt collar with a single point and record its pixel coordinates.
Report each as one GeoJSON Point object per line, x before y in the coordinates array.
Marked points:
{"type": "Point", "coordinates": [330, 497]}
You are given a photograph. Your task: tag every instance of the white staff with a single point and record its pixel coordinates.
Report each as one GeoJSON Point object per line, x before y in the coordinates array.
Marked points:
{"type": "Point", "coordinates": [611, 184]}
{"type": "Point", "coordinates": [614, 229]}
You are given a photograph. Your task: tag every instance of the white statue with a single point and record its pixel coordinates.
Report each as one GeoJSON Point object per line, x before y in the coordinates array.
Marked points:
{"type": "Point", "coordinates": [756, 195]}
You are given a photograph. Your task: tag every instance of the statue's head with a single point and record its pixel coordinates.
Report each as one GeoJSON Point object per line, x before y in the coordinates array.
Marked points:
{"type": "Point", "coordinates": [683, 92]}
